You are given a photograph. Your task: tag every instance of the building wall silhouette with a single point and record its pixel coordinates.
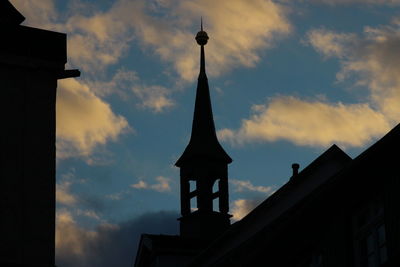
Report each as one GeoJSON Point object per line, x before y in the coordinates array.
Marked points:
{"type": "Point", "coordinates": [31, 62]}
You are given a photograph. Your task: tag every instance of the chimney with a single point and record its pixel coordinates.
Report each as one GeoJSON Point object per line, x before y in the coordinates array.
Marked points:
{"type": "Point", "coordinates": [295, 167]}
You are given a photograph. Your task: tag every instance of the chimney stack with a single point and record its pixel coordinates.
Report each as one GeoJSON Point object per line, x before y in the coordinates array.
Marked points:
{"type": "Point", "coordinates": [295, 167]}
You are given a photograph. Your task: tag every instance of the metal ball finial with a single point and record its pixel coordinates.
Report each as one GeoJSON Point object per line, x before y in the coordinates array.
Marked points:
{"type": "Point", "coordinates": [201, 36]}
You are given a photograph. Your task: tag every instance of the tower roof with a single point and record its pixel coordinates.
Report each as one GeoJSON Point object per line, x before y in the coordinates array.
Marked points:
{"type": "Point", "coordinates": [203, 144]}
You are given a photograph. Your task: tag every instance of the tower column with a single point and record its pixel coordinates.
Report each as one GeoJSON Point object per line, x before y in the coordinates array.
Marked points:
{"type": "Point", "coordinates": [185, 196]}
{"type": "Point", "coordinates": [223, 195]}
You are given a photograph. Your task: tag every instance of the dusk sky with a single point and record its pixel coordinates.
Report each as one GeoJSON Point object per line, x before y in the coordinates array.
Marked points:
{"type": "Point", "coordinates": [288, 79]}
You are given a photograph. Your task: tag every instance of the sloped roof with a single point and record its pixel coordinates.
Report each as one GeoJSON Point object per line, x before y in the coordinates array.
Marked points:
{"type": "Point", "coordinates": [387, 146]}
{"type": "Point", "coordinates": [327, 165]}
{"type": "Point", "coordinates": [377, 158]}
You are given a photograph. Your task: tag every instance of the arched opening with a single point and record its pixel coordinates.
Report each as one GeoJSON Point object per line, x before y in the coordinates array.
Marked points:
{"type": "Point", "coordinates": [215, 192]}
{"type": "Point", "coordinates": [193, 196]}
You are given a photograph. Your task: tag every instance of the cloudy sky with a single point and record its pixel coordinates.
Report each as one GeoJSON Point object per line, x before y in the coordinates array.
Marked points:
{"type": "Point", "coordinates": [288, 79]}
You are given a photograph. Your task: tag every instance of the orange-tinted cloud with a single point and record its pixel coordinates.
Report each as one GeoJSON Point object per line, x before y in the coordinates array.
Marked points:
{"type": "Point", "coordinates": [243, 186]}
{"type": "Point", "coordinates": [40, 14]}
{"type": "Point", "coordinates": [63, 194]}
{"type": "Point", "coordinates": [162, 185]}
{"type": "Point", "coordinates": [84, 120]}
{"type": "Point", "coordinates": [371, 60]}
{"type": "Point", "coordinates": [313, 123]}
{"type": "Point", "coordinates": [241, 207]}
{"type": "Point", "coordinates": [240, 30]}
{"type": "Point", "coordinates": [108, 244]}
{"type": "Point", "coordinates": [368, 2]}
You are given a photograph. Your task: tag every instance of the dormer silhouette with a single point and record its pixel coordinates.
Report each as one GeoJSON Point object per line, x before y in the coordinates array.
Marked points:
{"type": "Point", "coordinates": [204, 163]}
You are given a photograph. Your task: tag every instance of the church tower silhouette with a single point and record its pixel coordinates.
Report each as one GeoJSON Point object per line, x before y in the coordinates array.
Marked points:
{"type": "Point", "coordinates": [204, 162]}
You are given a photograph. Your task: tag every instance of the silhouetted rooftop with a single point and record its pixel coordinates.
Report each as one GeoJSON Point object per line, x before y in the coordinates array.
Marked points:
{"type": "Point", "coordinates": [289, 196]}
{"type": "Point", "coordinates": [316, 185]}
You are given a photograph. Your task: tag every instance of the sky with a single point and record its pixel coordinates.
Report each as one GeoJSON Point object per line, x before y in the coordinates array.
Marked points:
{"type": "Point", "coordinates": [288, 79]}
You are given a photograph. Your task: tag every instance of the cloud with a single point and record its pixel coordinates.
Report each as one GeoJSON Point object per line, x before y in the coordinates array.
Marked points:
{"type": "Point", "coordinates": [96, 41]}
{"type": "Point", "coordinates": [242, 207]}
{"type": "Point", "coordinates": [63, 194]}
{"type": "Point", "coordinates": [371, 60]}
{"type": "Point", "coordinates": [251, 196]}
{"type": "Point", "coordinates": [84, 121]}
{"type": "Point", "coordinates": [118, 195]}
{"type": "Point", "coordinates": [140, 185]}
{"type": "Point", "coordinates": [312, 123]}
{"type": "Point", "coordinates": [108, 244]}
{"type": "Point", "coordinates": [69, 237]}
{"type": "Point", "coordinates": [88, 213]}
{"type": "Point", "coordinates": [153, 97]}
{"type": "Point", "coordinates": [242, 186]}
{"type": "Point", "coordinates": [38, 13]}
{"type": "Point", "coordinates": [163, 184]}
{"type": "Point", "coordinates": [329, 43]}
{"type": "Point", "coordinates": [170, 36]}
{"type": "Point", "coordinates": [370, 2]}
{"type": "Point", "coordinates": [127, 83]}
{"type": "Point", "coordinates": [100, 38]}
{"type": "Point", "coordinates": [120, 83]}
{"type": "Point", "coordinates": [376, 65]}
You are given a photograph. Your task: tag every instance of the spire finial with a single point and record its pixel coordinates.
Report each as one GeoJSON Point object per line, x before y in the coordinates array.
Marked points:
{"type": "Point", "coordinates": [201, 36]}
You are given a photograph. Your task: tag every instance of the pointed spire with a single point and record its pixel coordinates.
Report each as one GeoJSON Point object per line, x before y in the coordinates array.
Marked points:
{"type": "Point", "coordinates": [202, 39]}
{"type": "Point", "coordinates": [203, 142]}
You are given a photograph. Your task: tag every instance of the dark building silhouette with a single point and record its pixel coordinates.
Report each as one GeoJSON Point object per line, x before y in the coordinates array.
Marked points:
{"type": "Point", "coordinates": [31, 62]}
{"type": "Point", "coordinates": [336, 212]}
